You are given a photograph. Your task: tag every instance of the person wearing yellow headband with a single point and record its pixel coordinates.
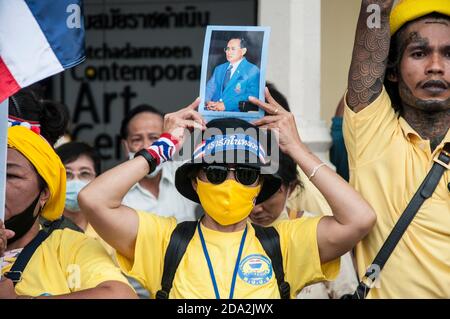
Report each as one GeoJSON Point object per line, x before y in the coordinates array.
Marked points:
{"type": "Point", "coordinates": [227, 175]}
{"type": "Point", "coordinates": [62, 263]}
{"type": "Point", "coordinates": [396, 125]}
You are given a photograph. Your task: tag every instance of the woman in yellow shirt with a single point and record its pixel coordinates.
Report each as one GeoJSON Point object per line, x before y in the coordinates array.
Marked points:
{"type": "Point", "coordinates": [67, 264]}
{"type": "Point", "coordinates": [225, 258]}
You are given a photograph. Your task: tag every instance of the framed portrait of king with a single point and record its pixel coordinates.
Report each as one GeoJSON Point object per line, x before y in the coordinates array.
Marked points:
{"type": "Point", "coordinates": [233, 69]}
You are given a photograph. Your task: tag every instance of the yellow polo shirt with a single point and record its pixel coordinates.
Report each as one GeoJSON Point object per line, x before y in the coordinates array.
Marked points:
{"type": "Point", "coordinates": [388, 161]}
{"type": "Point", "coordinates": [255, 278]}
{"type": "Point", "coordinates": [67, 261]}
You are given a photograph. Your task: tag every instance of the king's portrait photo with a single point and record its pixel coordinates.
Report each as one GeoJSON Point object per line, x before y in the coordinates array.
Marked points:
{"type": "Point", "coordinates": [233, 81]}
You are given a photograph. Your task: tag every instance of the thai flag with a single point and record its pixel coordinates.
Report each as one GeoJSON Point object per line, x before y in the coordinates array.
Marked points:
{"type": "Point", "coordinates": [38, 38]}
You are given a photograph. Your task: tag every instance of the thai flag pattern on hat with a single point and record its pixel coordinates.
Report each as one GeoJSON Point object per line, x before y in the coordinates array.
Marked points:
{"type": "Point", "coordinates": [224, 143]}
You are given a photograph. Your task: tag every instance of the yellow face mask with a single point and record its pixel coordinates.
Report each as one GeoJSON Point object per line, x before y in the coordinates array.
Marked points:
{"type": "Point", "coordinates": [229, 202]}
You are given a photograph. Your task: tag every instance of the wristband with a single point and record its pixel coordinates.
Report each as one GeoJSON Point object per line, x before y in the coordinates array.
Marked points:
{"type": "Point", "coordinates": [160, 151]}
{"type": "Point", "coordinates": [150, 159]}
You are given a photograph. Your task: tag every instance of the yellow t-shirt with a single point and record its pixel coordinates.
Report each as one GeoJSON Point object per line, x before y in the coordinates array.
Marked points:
{"type": "Point", "coordinates": [299, 248]}
{"type": "Point", "coordinates": [90, 231]}
{"type": "Point", "coordinates": [67, 261]}
{"type": "Point", "coordinates": [344, 283]}
{"type": "Point", "coordinates": [388, 161]}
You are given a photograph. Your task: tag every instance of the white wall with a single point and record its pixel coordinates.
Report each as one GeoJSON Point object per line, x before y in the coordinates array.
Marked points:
{"type": "Point", "coordinates": [294, 64]}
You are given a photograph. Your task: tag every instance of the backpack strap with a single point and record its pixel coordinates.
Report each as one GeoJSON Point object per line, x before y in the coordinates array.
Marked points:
{"type": "Point", "coordinates": [65, 223]}
{"type": "Point", "coordinates": [179, 240]}
{"type": "Point", "coordinates": [270, 240]}
{"type": "Point", "coordinates": [425, 190]}
{"type": "Point", "coordinates": [15, 274]}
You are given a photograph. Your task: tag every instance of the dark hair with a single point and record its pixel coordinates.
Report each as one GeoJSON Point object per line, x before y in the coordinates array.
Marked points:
{"type": "Point", "coordinates": [71, 151]}
{"type": "Point", "coordinates": [278, 96]}
{"type": "Point", "coordinates": [242, 44]}
{"type": "Point", "coordinates": [53, 117]}
{"type": "Point", "coordinates": [287, 169]}
{"type": "Point", "coordinates": [397, 48]}
{"type": "Point", "coordinates": [135, 111]}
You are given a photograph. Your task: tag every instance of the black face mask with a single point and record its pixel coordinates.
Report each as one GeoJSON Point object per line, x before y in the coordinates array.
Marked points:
{"type": "Point", "coordinates": [22, 223]}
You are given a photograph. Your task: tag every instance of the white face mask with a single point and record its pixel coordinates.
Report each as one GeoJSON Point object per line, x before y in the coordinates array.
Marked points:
{"type": "Point", "coordinates": [152, 174]}
{"type": "Point", "coordinates": [73, 188]}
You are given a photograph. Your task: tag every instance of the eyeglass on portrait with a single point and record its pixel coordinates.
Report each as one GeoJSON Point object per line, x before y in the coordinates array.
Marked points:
{"type": "Point", "coordinates": [232, 49]}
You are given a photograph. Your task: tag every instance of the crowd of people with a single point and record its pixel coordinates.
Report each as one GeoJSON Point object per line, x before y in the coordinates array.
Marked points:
{"type": "Point", "coordinates": [221, 226]}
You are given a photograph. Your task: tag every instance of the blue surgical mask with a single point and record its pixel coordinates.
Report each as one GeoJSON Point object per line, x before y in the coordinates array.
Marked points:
{"type": "Point", "coordinates": [73, 187]}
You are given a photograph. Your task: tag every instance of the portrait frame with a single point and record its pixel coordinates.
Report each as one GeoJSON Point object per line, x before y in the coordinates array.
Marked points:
{"type": "Point", "coordinates": [247, 79]}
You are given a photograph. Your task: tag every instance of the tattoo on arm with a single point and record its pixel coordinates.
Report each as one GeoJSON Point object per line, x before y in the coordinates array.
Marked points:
{"type": "Point", "coordinates": [370, 53]}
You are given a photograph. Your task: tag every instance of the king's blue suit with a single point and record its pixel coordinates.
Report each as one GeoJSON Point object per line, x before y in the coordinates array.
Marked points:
{"type": "Point", "coordinates": [243, 83]}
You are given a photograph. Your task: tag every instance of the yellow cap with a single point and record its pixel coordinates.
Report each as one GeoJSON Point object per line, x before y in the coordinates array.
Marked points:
{"type": "Point", "coordinates": [409, 10]}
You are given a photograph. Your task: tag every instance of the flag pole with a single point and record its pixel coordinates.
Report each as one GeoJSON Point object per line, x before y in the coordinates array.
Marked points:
{"type": "Point", "coordinates": [3, 152]}
{"type": "Point", "coordinates": [58, 25]}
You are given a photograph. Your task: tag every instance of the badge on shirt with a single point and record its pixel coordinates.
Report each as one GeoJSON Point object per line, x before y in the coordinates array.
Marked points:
{"type": "Point", "coordinates": [237, 89]}
{"type": "Point", "coordinates": [255, 269]}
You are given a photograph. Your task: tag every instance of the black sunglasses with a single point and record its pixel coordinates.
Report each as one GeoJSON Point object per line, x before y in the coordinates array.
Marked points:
{"type": "Point", "coordinates": [217, 174]}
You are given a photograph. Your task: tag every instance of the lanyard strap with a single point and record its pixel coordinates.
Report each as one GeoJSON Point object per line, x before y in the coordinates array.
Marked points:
{"type": "Point", "coordinates": [210, 267]}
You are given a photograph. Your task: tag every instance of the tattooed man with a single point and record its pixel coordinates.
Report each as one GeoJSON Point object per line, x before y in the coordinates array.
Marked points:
{"type": "Point", "coordinates": [396, 123]}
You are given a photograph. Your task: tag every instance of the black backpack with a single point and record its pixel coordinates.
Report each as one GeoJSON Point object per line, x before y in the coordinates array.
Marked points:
{"type": "Point", "coordinates": [182, 235]}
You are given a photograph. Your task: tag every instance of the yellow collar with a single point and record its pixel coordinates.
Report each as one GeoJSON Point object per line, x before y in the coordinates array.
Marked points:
{"type": "Point", "coordinates": [409, 133]}
{"type": "Point", "coordinates": [414, 137]}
